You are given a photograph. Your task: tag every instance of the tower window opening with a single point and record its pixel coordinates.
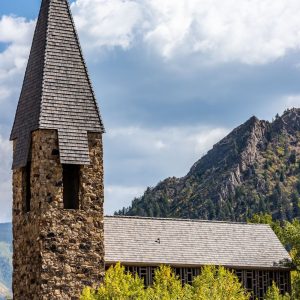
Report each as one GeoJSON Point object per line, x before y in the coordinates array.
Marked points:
{"type": "Point", "coordinates": [71, 179]}
{"type": "Point", "coordinates": [27, 186]}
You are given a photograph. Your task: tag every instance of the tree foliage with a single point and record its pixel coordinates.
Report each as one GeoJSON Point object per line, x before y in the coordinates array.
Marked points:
{"type": "Point", "coordinates": [214, 283]}
{"type": "Point", "coordinates": [117, 285]}
{"type": "Point", "coordinates": [273, 293]}
{"type": "Point", "coordinates": [289, 235]}
{"type": "Point", "coordinates": [166, 286]}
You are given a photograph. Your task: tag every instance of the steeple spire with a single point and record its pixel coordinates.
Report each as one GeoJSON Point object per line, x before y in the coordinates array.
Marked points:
{"type": "Point", "coordinates": [57, 92]}
{"type": "Point", "coordinates": [58, 189]}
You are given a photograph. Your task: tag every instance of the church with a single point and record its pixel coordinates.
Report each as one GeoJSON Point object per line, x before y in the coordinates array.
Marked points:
{"type": "Point", "coordinates": [62, 241]}
{"type": "Point", "coordinates": [252, 251]}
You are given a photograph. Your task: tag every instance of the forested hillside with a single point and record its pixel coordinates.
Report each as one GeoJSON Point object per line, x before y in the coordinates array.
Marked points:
{"type": "Point", "coordinates": [256, 168]}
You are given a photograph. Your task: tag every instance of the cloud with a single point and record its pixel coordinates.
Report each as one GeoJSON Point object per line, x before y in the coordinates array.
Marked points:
{"type": "Point", "coordinates": [256, 31]}
{"type": "Point", "coordinates": [15, 34]}
{"type": "Point", "coordinates": [6, 201]}
{"type": "Point", "coordinates": [5, 180]}
{"type": "Point", "coordinates": [15, 38]}
{"type": "Point", "coordinates": [250, 32]}
{"type": "Point", "coordinates": [107, 23]}
{"type": "Point", "coordinates": [137, 157]}
{"type": "Point", "coordinates": [172, 149]}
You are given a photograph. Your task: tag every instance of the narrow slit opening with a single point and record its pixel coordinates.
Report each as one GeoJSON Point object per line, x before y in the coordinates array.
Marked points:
{"type": "Point", "coordinates": [71, 179]}
{"type": "Point", "coordinates": [27, 187]}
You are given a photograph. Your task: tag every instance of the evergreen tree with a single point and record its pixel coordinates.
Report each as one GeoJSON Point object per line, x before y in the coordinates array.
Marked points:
{"type": "Point", "coordinates": [273, 293]}
{"type": "Point", "coordinates": [296, 204]}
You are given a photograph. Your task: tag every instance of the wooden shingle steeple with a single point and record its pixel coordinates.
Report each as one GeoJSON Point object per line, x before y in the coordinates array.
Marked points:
{"type": "Point", "coordinates": [58, 188]}
{"type": "Point", "coordinates": [57, 92]}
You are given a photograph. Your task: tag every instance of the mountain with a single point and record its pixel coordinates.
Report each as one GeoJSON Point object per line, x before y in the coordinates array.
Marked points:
{"type": "Point", "coordinates": [5, 293]}
{"type": "Point", "coordinates": [5, 259]}
{"type": "Point", "coordinates": [256, 168]}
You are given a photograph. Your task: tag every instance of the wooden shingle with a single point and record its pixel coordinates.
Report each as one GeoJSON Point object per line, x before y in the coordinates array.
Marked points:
{"type": "Point", "coordinates": [193, 243]}
{"type": "Point", "coordinates": [57, 92]}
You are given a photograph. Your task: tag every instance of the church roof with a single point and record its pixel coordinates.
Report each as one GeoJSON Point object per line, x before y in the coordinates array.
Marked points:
{"type": "Point", "coordinates": [57, 92]}
{"type": "Point", "coordinates": [178, 242]}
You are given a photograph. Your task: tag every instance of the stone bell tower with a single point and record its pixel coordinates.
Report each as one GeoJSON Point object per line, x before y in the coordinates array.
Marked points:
{"type": "Point", "coordinates": [57, 167]}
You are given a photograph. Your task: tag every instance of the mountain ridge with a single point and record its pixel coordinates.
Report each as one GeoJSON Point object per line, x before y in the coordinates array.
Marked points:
{"type": "Point", "coordinates": [255, 168]}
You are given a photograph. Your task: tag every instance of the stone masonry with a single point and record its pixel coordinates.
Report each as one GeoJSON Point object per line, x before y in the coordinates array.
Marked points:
{"type": "Point", "coordinates": [57, 251]}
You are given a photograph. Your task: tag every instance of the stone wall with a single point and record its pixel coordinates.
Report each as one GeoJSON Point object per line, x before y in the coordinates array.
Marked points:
{"type": "Point", "coordinates": [57, 251]}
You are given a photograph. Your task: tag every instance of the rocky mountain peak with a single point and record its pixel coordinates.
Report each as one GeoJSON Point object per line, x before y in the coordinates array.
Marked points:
{"type": "Point", "coordinates": [254, 168]}
{"type": "Point", "coordinates": [289, 121]}
{"type": "Point", "coordinates": [237, 148]}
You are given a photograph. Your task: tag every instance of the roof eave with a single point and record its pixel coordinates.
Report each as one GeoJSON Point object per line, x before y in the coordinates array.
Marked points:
{"type": "Point", "coordinates": [181, 265]}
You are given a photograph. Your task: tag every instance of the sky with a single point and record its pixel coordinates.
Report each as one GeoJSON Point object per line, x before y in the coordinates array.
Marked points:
{"type": "Point", "coordinates": [171, 78]}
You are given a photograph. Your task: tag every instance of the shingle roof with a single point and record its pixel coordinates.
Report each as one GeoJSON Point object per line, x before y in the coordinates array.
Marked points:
{"type": "Point", "coordinates": [57, 92]}
{"type": "Point", "coordinates": [150, 241]}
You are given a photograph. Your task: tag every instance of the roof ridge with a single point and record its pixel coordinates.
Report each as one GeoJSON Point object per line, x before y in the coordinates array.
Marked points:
{"type": "Point", "coordinates": [184, 220]}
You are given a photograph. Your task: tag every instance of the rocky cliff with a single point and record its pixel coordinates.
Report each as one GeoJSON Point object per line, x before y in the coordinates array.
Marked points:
{"type": "Point", "coordinates": [253, 169]}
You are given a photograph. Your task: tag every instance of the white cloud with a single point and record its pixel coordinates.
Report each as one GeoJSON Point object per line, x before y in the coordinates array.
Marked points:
{"type": "Point", "coordinates": [251, 32]}
{"type": "Point", "coordinates": [15, 34]}
{"type": "Point", "coordinates": [6, 201]}
{"type": "Point", "coordinates": [138, 157]}
{"type": "Point", "coordinates": [107, 23]}
{"type": "Point", "coordinates": [256, 31]}
{"type": "Point", "coordinates": [5, 154]}
{"type": "Point", "coordinates": [5, 180]}
{"type": "Point", "coordinates": [194, 141]}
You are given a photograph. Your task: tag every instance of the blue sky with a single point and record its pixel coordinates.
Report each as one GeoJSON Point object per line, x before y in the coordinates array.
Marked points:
{"type": "Point", "coordinates": [171, 78]}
